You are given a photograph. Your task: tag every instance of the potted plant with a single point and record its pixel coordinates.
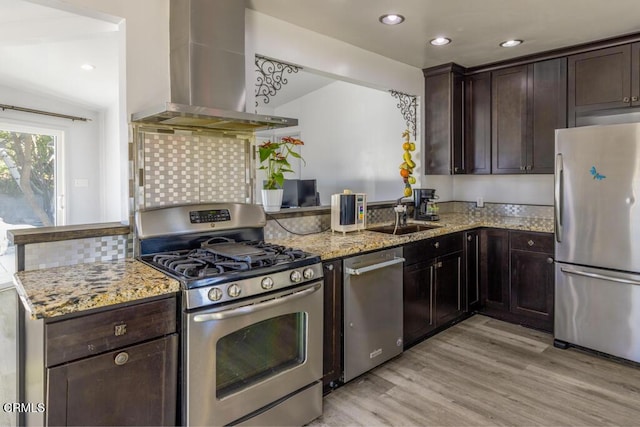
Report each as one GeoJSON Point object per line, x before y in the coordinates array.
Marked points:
{"type": "Point", "coordinates": [274, 159]}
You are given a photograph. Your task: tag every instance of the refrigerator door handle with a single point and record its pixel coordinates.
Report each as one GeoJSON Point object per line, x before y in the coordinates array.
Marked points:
{"type": "Point", "coordinates": [558, 190]}
{"type": "Point", "coordinates": [600, 276]}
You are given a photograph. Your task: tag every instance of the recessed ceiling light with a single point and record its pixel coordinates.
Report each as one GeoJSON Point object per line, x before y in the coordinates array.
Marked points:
{"type": "Point", "coordinates": [510, 43]}
{"type": "Point", "coordinates": [440, 41]}
{"type": "Point", "coordinates": [88, 67]}
{"type": "Point", "coordinates": [391, 19]}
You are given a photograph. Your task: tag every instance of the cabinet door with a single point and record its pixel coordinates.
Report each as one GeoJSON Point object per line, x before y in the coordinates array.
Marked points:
{"type": "Point", "coordinates": [332, 351]}
{"type": "Point", "coordinates": [443, 121]}
{"type": "Point", "coordinates": [449, 289]}
{"type": "Point", "coordinates": [509, 120]}
{"type": "Point", "coordinates": [599, 80]}
{"type": "Point", "coordinates": [547, 112]}
{"type": "Point", "coordinates": [472, 270]}
{"type": "Point", "coordinates": [418, 298]}
{"type": "Point", "coordinates": [532, 288]}
{"type": "Point", "coordinates": [136, 385]}
{"type": "Point", "coordinates": [494, 270]}
{"type": "Point", "coordinates": [478, 123]}
{"type": "Point", "coordinates": [635, 75]}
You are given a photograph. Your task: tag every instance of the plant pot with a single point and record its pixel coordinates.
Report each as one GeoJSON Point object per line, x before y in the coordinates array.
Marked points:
{"type": "Point", "coordinates": [272, 200]}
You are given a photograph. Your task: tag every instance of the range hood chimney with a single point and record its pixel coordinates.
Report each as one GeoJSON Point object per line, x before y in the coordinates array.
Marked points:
{"type": "Point", "coordinates": [207, 70]}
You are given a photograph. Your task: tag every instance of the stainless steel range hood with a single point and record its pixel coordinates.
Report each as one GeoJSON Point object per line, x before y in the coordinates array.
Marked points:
{"type": "Point", "coordinates": [207, 70]}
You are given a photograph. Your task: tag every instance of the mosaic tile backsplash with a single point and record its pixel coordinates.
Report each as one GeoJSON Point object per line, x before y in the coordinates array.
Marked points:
{"type": "Point", "coordinates": [77, 251]}
{"type": "Point", "coordinates": [286, 227]}
{"type": "Point", "coordinates": [182, 169]}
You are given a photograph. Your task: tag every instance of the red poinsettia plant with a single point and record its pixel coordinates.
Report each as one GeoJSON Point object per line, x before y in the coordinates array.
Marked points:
{"type": "Point", "coordinates": [274, 159]}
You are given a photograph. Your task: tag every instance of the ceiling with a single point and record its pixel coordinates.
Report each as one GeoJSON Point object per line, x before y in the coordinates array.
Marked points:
{"type": "Point", "coordinates": [42, 48]}
{"type": "Point", "coordinates": [475, 26]}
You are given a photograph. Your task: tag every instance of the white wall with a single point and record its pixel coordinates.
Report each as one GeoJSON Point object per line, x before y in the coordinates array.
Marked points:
{"type": "Point", "coordinates": [525, 189]}
{"type": "Point", "coordinates": [353, 139]}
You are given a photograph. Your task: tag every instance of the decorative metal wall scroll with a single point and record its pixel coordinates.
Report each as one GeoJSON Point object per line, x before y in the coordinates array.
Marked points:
{"type": "Point", "coordinates": [408, 105]}
{"type": "Point", "coordinates": [271, 77]}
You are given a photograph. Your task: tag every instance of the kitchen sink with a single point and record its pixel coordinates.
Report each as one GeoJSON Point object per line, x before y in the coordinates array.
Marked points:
{"type": "Point", "coordinates": [406, 229]}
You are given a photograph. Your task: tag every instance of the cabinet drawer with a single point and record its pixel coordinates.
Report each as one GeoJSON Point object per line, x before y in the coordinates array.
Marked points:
{"type": "Point", "coordinates": [442, 245]}
{"type": "Point", "coordinates": [533, 242]}
{"type": "Point", "coordinates": [432, 248]}
{"type": "Point", "coordinates": [96, 333]}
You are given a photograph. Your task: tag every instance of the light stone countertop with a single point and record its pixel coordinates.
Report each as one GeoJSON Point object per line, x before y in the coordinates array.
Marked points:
{"type": "Point", "coordinates": [336, 245]}
{"type": "Point", "coordinates": [58, 291]}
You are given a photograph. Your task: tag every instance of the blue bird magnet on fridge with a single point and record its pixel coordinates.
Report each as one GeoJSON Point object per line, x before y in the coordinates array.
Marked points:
{"type": "Point", "coordinates": [596, 175]}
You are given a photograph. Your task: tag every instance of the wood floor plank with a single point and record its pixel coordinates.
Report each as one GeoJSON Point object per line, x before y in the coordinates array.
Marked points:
{"type": "Point", "coordinates": [484, 372]}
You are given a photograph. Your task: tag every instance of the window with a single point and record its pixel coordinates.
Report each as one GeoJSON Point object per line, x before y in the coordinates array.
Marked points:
{"type": "Point", "coordinates": [30, 184]}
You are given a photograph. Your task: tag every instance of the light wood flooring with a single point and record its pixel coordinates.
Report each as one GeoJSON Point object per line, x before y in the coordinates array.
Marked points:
{"type": "Point", "coordinates": [486, 372]}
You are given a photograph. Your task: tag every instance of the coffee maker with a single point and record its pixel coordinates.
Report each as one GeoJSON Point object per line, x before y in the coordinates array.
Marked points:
{"type": "Point", "coordinates": [425, 208]}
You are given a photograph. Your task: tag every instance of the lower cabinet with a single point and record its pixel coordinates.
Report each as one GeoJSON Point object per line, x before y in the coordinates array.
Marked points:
{"type": "Point", "coordinates": [135, 385]}
{"type": "Point", "coordinates": [117, 367]}
{"type": "Point", "coordinates": [332, 348]}
{"type": "Point", "coordinates": [433, 283]}
{"type": "Point", "coordinates": [517, 277]}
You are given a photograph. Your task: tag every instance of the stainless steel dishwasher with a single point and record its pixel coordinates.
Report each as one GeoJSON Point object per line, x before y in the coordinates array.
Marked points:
{"type": "Point", "coordinates": [372, 310]}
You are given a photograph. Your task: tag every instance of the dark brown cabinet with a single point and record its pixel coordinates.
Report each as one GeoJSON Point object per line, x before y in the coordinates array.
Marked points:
{"type": "Point", "coordinates": [532, 279]}
{"type": "Point", "coordinates": [494, 270]}
{"type": "Point", "coordinates": [517, 277]}
{"type": "Point", "coordinates": [433, 285]}
{"type": "Point", "coordinates": [477, 135]}
{"type": "Point", "coordinates": [117, 367]}
{"type": "Point", "coordinates": [472, 270]}
{"type": "Point", "coordinates": [332, 351]}
{"type": "Point", "coordinates": [444, 150]}
{"type": "Point", "coordinates": [133, 386]}
{"type": "Point", "coordinates": [603, 79]}
{"type": "Point", "coordinates": [528, 104]}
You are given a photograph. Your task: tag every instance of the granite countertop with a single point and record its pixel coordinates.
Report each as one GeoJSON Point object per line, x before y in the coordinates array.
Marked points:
{"type": "Point", "coordinates": [336, 245]}
{"type": "Point", "coordinates": [58, 291]}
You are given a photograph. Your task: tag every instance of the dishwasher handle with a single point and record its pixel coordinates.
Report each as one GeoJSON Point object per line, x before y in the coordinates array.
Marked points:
{"type": "Point", "coordinates": [359, 271]}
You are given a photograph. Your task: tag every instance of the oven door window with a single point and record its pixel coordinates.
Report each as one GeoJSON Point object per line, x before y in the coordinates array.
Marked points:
{"type": "Point", "coordinates": [259, 351]}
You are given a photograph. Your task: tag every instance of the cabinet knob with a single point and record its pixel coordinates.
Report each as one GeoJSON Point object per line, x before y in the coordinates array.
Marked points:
{"type": "Point", "coordinates": [625, 99]}
{"type": "Point", "coordinates": [634, 98]}
{"type": "Point", "coordinates": [329, 267]}
{"type": "Point", "coordinates": [549, 260]}
{"type": "Point", "coordinates": [436, 245]}
{"type": "Point", "coordinates": [469, 238]}
{"type": "Point", "coordinates": [531, 243]}
{"type": "Point", "coordinates": [121, 358]}
{"type": "Point", "coordinates": [455, 169]}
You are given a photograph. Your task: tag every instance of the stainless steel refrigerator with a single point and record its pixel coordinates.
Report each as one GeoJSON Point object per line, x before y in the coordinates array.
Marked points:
{"type": "Point", "coordinates": [597, 250]}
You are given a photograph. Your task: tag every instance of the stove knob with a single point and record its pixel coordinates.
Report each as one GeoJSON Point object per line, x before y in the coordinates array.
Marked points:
{"type": "Point", "coordinates": [215, 294]}
{"type": "Point", "coordinates": [233, 290]}
{"type": "Point", "coordinates": [267, 283]}
{"type": "Point", "coordinates": [295, 276]}
{"type": "Point", "coordinates": [308, 273]}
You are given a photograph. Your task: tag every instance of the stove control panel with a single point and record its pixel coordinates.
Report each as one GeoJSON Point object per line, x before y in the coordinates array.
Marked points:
{"type": "Point", "coordinates": [212, 215]}
{"type": "Point", "coordinates": [245, 289]}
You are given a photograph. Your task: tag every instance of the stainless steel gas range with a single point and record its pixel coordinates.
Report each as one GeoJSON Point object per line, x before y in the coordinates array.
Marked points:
{"type": "Point", "coordinates": [251, 315]}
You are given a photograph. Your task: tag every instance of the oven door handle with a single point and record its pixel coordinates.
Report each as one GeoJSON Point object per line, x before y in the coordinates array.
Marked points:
{"type": "Point", "coordinates": [252, 308]}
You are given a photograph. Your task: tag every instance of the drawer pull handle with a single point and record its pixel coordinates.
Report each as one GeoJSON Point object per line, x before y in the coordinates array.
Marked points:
{"type": "Point", "coordinates": [436, 245]}
{"type": "Point", "coordinates": [120, 330]}
{"type": "Point", "coordinates": [531, 243]}
{"type": "Point", "coordinates": [121, 358]}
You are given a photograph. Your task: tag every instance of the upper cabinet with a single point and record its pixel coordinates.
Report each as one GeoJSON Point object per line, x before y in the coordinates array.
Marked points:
{"type": "Point", "coordinates": [444, 151]}
{"type": "Point", "coordinates": [603, 79]}
{"type": "Point", "coordinates": [477, 135]}
{"type": "Point", "coordinates": [528, 104]}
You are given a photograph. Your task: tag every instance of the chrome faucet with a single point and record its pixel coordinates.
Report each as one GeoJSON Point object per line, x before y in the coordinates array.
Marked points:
{"type": "Point", "coordinates": [401, 210]}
